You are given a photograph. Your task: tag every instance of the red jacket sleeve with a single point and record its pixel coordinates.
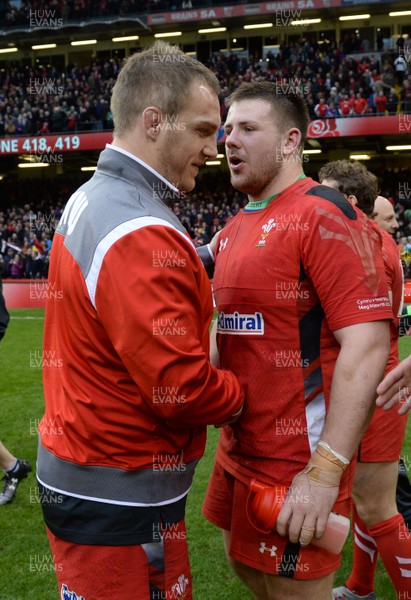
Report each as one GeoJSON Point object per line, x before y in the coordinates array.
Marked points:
{"type": "Point", "coordinates": [154, 300]}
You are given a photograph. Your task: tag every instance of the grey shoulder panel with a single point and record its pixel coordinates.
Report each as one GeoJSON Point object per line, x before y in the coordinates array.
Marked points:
{"type": "Point", "coordinates": [119, 192]}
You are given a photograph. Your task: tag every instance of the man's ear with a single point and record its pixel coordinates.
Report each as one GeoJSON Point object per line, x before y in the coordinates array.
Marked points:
{"type": "Point", "coordinates": [352, 199]}
{"type": "Point", "coordinates": [151, 119]}
{"type": "Point", "coordinates": [291, 141]}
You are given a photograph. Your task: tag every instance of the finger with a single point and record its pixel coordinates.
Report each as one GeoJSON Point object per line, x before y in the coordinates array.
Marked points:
{"type": "Point", "coordinates": [283, 519]}
{"type": "Point", "coordinates": [404, 406]}
{"type": "Point", "coordinates": [307, 533]}
{"type": "Point", "coordinates": [391, 380]}
{"type": "Point", "coordinates": [294, 529]}
{"type": "Point", "coordinates": [308, 529]}
{"type": "Point", "coordinates": [387, 401]}
{"type": "Point", "coordinates": [393, 395]}
{"type": "Point", "coordinates": [320, 527]}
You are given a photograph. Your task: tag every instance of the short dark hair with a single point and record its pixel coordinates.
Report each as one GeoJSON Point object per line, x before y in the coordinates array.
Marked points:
{"type": "Point", "coordinates": [159, 76]}
{"type": "Point", "coordinates": [287, 100]}
{"type": "Point", "coordinates": [353, 178]}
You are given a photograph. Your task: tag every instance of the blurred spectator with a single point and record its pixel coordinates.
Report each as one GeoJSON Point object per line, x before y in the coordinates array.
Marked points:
{"type": "Point", "coordinates": [360, 105]}
{"type": "Point", "coordinates": [400, 44]}
{"type": "Point", "coordinates": [34, 267]}
{"type": "Point", "coordinates": [381, 103]}
{"type": "Point", "coordinates": [406, 96]}
{"type": "Point", "coordinates": [345, 108]}
{"type": "Point", "coordinates": [392, 102]}
{"type": "Point", "coordinates": [17, 266]}
{"type": "Point", "coordinates": [401, 69]}
{"type": "Point", "coordinates": [321, 109]}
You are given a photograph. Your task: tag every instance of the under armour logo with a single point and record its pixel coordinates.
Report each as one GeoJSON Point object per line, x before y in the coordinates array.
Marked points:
{"type": "Point", "coordinates": [263, 548]}
{"type": "Point", "coordinates": [223, 244]}
{"type": "Point", "coordinates": [13, 483]}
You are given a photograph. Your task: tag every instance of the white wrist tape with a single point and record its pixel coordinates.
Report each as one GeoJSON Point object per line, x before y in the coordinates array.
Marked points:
{"type": "Point", "coordinates": [336, 454]}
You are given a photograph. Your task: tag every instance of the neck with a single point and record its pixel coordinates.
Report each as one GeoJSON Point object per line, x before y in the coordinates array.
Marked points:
{"type": "Point", "coordinates": [285, 178]}
{"type": "Point", "coordinates": [132, 144]}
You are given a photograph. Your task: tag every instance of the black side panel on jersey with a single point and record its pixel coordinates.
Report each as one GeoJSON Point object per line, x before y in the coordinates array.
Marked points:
{"type": "Point", "coordinates": [100, 524]}
{"type": "Point", "coordinates": [289, 560]}
{"type": "Point", "coordinates": [302, 275]}
{"type": "Point", "coordinates": [334, 196]}
{"type": "Point", "coordinates": [310, 333]}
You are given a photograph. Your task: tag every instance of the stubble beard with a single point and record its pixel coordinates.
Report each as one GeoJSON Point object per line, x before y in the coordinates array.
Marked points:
{"type": "Point", "coordinates": [255, 183]}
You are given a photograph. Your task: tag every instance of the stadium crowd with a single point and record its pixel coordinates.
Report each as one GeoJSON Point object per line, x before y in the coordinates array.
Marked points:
{"type": "Point", "coordinates": [13, 13]}
{"type": "Point", "coordinates": [75, 10]}
{"type": "Point", "coordinates": [26, 232]}
{"type": "Point", "coordinates": [42, 100]}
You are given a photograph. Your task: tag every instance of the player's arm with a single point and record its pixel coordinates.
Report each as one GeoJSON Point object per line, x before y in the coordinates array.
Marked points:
{"type": "Point", "coordinates": [396, 388]}
{"type": "Point", "coordinates": [359, 367]}
{"type": "Point", "coordinates": [207, 254]}
{"type": "Point", "coordinates": [149, 302]}
{"type": "Point", "coordinates": [342, 257]}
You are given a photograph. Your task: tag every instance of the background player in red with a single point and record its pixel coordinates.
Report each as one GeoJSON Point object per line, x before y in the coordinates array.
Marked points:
{"type": "Point", "coordinates": [302, 321]}
{"type": "Point", "coordinates": [131, 389]}
{"type": "Point", "coordinates": [378, 526]}
{"type": "Point", "coordinates": [384, 215]}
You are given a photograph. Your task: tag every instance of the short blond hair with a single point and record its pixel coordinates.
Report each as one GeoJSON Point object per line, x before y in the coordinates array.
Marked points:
{"type": "Point", "coordinates": [160, 76]}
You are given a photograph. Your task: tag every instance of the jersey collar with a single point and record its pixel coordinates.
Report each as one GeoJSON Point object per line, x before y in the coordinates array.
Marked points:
{"type": "Point", "coordinates": [261, 204]}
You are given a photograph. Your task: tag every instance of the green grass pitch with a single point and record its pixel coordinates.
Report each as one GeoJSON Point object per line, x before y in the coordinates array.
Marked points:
{"type": "Point", "coordinates": [26, 570]}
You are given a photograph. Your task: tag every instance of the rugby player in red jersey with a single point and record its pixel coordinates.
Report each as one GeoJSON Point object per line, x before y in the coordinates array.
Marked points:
{"type": "Point", "coordinates": [378, 526]}
{"type": "Point", "coordinates": [303, 323]}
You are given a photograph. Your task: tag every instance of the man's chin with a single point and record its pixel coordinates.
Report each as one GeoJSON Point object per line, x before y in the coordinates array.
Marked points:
{"type": "Point", "coordinates": [239, 184]}
{"type": "Point", "coordinates": [186, 186]}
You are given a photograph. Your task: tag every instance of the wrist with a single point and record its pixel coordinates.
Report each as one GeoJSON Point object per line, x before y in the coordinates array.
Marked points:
{"type": "Point", "coordinates": [327, 447]}
{"type": "Point", "coordinates": [324, 468]}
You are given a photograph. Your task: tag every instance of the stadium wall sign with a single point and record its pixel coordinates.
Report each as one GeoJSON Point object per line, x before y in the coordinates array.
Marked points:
{"type": "Point", "coordinates": [243, 10]}
{"type": "Point", "coordinates": [25, 293]}
{"type": "Point", "coordinates": [53, 144]}
{"type": "Point", "coordinates": [320, 128]}
{"type": "Point", "coordinates": [353, 126]}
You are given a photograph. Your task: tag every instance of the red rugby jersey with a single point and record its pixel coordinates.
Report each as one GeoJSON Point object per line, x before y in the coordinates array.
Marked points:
{"type": "Point", "coordinates": [286, 277]}
{"type": "Point", "coordinates": [395, 282]}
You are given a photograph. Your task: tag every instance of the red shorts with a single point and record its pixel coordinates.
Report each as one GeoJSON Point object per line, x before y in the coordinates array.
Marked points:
{"type": "Point", "coordinates": [148, 571]}
{"type": "Point", "coordinates": [382, 441]}
{"type": "Point", "coordinates": [225, 505]}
